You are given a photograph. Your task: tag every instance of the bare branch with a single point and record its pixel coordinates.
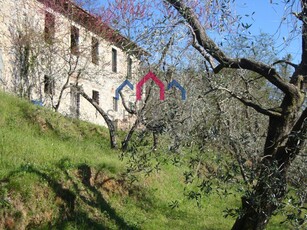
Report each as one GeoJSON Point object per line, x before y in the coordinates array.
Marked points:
{"type": "Point", "coordinates": [287, 62]}
{"type": "Point", "coordinates": [226, 62]}
{"type": "Point", "coordinates": [130, 111]}
{"type": "Point", "coordinates": [258, 108]}
{"type": "Point", "coordinates": [165, 50]}
{"type": "Point", "coordinates": [200, 48]}
{"type": "Point", "coordinates": [109, 122]}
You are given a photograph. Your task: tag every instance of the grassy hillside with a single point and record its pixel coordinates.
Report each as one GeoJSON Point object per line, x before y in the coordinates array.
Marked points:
{"type": "Point", "coordinates": [59, 173]}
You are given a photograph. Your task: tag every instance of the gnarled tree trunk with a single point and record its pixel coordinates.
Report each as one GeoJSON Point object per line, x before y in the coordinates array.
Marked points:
{"type": "Point", "coordinates": [271, 186]}
{"type": "Point", "coordinates": [287, 124]}
{"type": "Point", "coordinates": [109, 122]}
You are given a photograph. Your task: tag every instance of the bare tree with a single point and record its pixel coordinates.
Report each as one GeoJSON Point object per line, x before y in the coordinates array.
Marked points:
{"type": "Point", "coordinates": [55, 55]}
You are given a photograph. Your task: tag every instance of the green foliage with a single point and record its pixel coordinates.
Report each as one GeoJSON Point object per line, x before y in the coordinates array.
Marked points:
{"type": "Point", "coordinates": [59, 173]}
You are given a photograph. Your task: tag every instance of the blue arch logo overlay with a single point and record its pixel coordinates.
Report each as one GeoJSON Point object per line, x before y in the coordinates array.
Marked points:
{"type": "Point", "coordinates": [158, 82]}
{"type": "Point", "coordinates": [176, 84]}
{"type": "Point", "coordinates": [120, 88]}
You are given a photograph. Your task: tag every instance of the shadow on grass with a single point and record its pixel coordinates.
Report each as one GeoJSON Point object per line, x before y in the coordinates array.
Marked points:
{"type": "Point", "coordinates": [99, 202]}
{"type": "Point", "coordinates": [68, 213]}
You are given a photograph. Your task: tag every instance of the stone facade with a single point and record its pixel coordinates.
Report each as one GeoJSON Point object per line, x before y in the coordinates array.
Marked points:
{"type": "Point", "coordinates": [48, 47]}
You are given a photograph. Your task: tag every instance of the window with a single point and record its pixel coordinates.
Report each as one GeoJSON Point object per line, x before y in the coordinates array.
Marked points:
{"type": "Point", "coordinates": [48, 85]}
{"type": "Point", "coordinates": [95, 50]}
{"type": "Point", "coordinates": [66, 6]}
{"type": "Point", "coordinates": [129, 67]}
{"type": "Point", "coordinates": [74, 39]}
{"type": "Point", "coordinates": [74, 102]}
{"type": "Point", "coordinates": [114, 60]}
{"type": "Point", "coordinates": [95, 96]}
{"type": "Point", "coordinates": [49, 27]}
{"type": "Point", "coordinates": [115, 104]}
{"type": "Point", "coordinates": [131, 105]}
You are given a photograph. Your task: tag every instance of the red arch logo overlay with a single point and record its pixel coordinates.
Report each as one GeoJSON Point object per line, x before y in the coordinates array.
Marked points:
{"type": "Point", "coordinates": [157, 81]}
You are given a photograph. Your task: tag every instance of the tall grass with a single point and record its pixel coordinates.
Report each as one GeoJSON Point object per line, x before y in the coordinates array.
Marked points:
{"type": "Point", "coordinates": [59, 173]}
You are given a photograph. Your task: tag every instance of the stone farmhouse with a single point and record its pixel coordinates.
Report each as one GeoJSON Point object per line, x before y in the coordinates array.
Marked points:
{"type": "Point", "coordinates": [50, 48]}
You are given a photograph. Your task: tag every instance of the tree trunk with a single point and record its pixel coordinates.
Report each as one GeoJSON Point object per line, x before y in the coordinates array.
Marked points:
{"type": "Point", "coordinates": [263, 201]}
{"type": "Point", "coordinates": [109, 122]}
{"type": "Point", "coordinates": [125, 142]}
{"type": "Point", "coordinates": [155, 141]}
{"type": "Point", "coordinates": [285, 138]}
{"type": "Point", "coordinates": [287, 128]}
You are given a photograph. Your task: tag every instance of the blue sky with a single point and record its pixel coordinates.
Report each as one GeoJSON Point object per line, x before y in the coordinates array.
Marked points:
{"type": "Point", "coordinates": [267, 19]}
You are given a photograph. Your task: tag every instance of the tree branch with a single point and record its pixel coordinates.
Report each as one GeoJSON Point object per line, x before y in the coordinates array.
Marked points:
{"type": "Point", "coordinates": [130, 111]}
{"type": "Point", "coordinates": [165, 50]}
{"type": "Point", "coordinates": [295, 142]}
{"type": "Point", "coordinates": [287, 62]}
{"type": "Point", "coordinates": [109, 122]}
{"type": "Point", "coordinates": [258, 108]}
{"type": "Point", "coordinates": [200, 48]}
{"type": "Point", "coordinates": [226, 62]}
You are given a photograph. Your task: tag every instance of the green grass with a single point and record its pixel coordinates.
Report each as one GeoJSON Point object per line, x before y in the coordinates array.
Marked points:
{"type": "Point", "coordinates": [59, 173]}
{"type": "Point", "coordinates": [34, 135]}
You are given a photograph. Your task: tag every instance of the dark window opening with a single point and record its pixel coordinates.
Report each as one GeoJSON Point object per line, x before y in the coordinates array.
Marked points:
{"type": "Point", "coordinates": [74, 39]}
{"type": "Point", "coordinates": [114, 60]}
{"type": "Point", "coordinates": [95, 50]}
{"type": "Point", "coordinates": [129, 67]}
{"type": "Point", "coordinates": [95, 96]}
{"type": "Point", "coordinates": [49, 31]}
{"type": "Point", "coordinates": [74, 102]}
{"type": "Point", "coordinates": [66, 6]}
{"type": "Point", "coordinates": [48, 85]}
{"type": "Point", "coordinates": [78, 105]}
{"type": "Point", "coordinates": [115, 104]}
{"type": "Point", "coordinates": [131, 105]}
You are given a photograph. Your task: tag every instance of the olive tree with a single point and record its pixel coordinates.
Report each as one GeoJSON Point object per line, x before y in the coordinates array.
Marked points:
{"type": "Point", "coordinates": [285, 133]}
{"type": "Point", "coordinates": [287, 125]}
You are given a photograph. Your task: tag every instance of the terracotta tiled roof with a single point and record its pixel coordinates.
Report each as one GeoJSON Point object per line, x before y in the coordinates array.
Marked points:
{"type": "Point", "coordinates": [93, 23]}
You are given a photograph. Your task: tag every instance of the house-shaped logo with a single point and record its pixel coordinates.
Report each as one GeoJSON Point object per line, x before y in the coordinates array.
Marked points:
{"type": "Point", "coordinates": [157, 81]}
